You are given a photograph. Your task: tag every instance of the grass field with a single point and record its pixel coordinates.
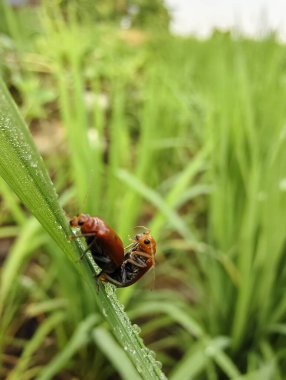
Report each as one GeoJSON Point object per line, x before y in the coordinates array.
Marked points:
{"type": "Point", "coordinates": [184, 136]}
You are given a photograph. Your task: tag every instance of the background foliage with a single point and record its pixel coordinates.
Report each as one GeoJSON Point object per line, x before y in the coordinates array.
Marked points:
{"type": "Point", "coordinates": [141, 127]}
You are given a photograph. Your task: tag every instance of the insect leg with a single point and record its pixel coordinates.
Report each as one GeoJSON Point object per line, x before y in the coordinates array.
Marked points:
{"type": "Point", "coordinates": [133, 262]}
{"type": "Point", "coordinates": [89, 245]}
{"type": "Point", "coordinates": [144, 254]}
{"type": "Point", "coordinates": [106, 278]}
{"type": "Point", "coordinates": [75, 236]}
{"type": "Point", "coordinates": [139, 253]}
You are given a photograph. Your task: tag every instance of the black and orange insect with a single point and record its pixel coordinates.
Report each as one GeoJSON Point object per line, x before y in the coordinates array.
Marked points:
{"type": "Point", "coordinates": [119, 268]}
{"type": "Point", "coordinates": [137, 261]}
{"type": "Point", "coordinates": [103, 242]}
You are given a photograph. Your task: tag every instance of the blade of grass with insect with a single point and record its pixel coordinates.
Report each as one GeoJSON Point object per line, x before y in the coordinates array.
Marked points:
{"type": "Point", "coordinates": [137, 150]}
{"type": "Point", "coordinates": [245, 227]}
{"type": "Point", "coordinates": [24, 171]}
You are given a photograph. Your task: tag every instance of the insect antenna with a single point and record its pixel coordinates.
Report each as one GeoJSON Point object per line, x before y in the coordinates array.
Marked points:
{"type": "Point", "coordinates": [145, 228]}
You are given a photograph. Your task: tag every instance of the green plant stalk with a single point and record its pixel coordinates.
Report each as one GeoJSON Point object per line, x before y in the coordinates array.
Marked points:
{"type": "Point", "coordinates": [132, 200]}
{"type": "Point", "coordinates": [38, 338]}
{"type": "Point", "coordinates": [247, 206]}
{"type": "Point", "coordinates": [98, 120]}
{"type": "Point", "coordinates": [78, 339]}
{"type": "Point", "coordinates": [76, 140]}
{"type": "Point", "coordinates": [117, 356]}
{"type": "Point", "coordinates": [69, 77]}
{"type": "Point", "coordinates": [29, 238]}
{"type": "Point", "coordinates": [24, 171]}
{"type": "Point", "coordinates": [11, 20]}
{"type": "Point", "coordinates": [182, 182]}
{"type": "Point", "coordinates": [117, 131]}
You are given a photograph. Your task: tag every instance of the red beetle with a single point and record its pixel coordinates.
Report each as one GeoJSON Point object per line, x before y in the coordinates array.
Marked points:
{"type": "Point", "coordinates": [105, 245]}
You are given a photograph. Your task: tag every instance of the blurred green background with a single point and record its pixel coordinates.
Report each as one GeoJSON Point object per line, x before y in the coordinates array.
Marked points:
{"type": "Point", "coordinates": [140, 127]}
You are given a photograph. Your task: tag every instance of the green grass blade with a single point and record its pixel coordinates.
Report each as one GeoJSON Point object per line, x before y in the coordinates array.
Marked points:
{"type": "Point", "coordinates": [153, 197]}
{"type": "Point", "coordinates": [46, 327]}
{"type": "Point", "coordinates": [193, 363]}
{"type": "Point", "coordinates": [266, 372]}
{"type": "Point", "coordinates": [181, 184]}
{"type": "Point", "coordinates": [199, 356]}
{"type": "Point", "coordinates": [176, 313]}
{"type": "Point", "coordinates": [115, 353]}
{"type": "Point", "coordinates": [80, 338]}
{"type": "Point", "coordinates": [27, 241]}
{"type": "Point", "coordinates": [24, 171]}
{"type": "Point", "coordinates": [12, 203]}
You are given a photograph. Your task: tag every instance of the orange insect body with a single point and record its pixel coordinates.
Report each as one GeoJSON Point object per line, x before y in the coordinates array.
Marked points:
{"type": "Point", "coordinates": [137, 261]}
{"type": "Point", "coordinates": [107, 251]}
{"type": "Point", "coordinates": [105, 245]}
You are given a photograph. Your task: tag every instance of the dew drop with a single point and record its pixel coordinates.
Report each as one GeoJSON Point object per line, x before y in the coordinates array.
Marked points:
{"type": "Point", "coordinates": [282, 184]}
{"type": "Point", "coordinates": [136, 329]}
{"type": "Point", "coordinates": [159, 365]}
{"type": "Point", "coordinates": [152, 354]}
{"type": "Point", "coordinates": [109, 288]}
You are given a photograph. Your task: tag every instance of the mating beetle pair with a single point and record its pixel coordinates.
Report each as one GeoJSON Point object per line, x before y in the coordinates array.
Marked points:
{"type": "Point", "coordinates": [119, 268]}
